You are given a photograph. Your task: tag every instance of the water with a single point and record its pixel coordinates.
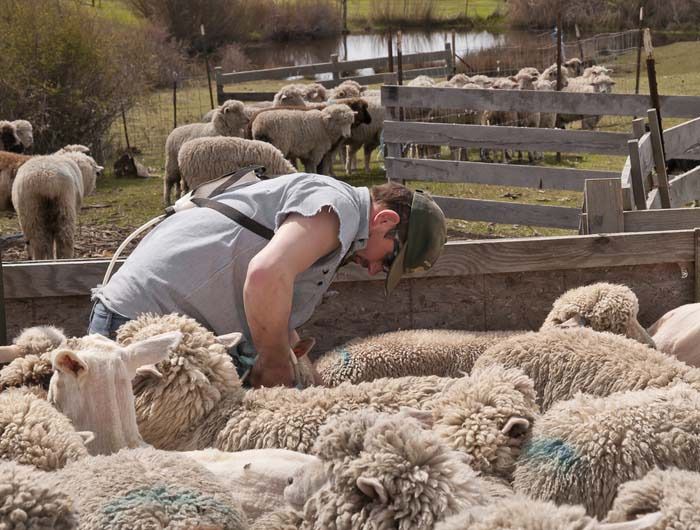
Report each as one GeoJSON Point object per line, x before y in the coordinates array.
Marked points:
{"type": "Point", "coordinates": [368, 46]}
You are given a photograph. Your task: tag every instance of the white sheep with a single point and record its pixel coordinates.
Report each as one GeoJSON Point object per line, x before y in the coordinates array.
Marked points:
{"type": "Point", "coordinates": [47, 194]}
{"type": "Point", "coordinates": [563, 362]}
{"type": "Point", "coordinates": [227, 120]}
{"type": "Point", "coordinates": [583, 449]}
{"type": "Point", "coordinates": [205, 159]}
{"type": "Point", "coordinates": [298, 94]}
{"type": "Point", "coordinates": [677, 333]}
{"type": "Point", "coordinates": [25, 133]}
{"type": "Point", "coordinates": [305, 134]}
{"type": "Point", "coordinates": [674, 493]}
{"type": "Point", "coordinates": [347, 89]}
{"type": "Point", "coordinates": [9, 164]}
{"type": "Point", "coordinates": [366, 136]}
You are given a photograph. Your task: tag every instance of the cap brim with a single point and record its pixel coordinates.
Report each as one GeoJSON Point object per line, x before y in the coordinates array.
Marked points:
{"type": "Point", "coordinates": [395, 272]}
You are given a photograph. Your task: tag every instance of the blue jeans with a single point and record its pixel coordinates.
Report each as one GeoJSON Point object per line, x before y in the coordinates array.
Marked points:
{"type": "Point", "coordinates": [104, 321]}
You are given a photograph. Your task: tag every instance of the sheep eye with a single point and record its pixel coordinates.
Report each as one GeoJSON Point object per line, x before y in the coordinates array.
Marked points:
{"type": "Point", "coordinates": [290, 480]}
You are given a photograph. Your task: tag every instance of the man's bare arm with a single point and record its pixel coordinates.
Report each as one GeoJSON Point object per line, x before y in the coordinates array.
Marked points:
{"type": "Point", "coordinates": [267, 294]}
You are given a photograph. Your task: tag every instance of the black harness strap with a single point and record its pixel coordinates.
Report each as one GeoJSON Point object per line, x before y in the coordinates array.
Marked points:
{"type": "Point", "coordinates": [235, 175]}
{"type": "Point", "coordinates": [236, 216]}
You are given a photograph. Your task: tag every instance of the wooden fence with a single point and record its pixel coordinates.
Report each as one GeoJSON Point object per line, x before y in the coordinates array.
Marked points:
{"type": "Point", "coordinates": [398, 133]}
{"type": "Point", "coordinates": [337, 69]}
{"type": "Point", "coordinates": [475, 285]}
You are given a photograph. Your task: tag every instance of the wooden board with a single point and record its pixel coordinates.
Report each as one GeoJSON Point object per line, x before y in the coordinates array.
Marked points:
{"type": "Point", "coordinates": [683, 141]}
{"type": "Point", "coordinates": [518, 138]}
{"type": "Point", "coordinates": [662, 219]}
{"type": "Point", "coordinates": [685, 188]}
{"type": "Point", "coordinates": [603, 206]}
{"type": "Point", "coordinates": [490, 173]}
{"type": "Point", "coordinates": [537, 101]}
{"type": "Point", "coordinates": [636, 176]}
{"type": "Point", "coordinates": [509, 213]}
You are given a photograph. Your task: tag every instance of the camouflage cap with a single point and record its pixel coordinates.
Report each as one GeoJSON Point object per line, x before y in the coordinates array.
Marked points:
{"type": "Point", "coordinates": [426, 238]}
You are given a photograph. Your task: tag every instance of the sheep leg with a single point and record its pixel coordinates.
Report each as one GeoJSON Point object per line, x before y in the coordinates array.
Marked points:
{"type": "Point", "coordinates": [351, 161]}
{"type": "Point", "coordinates": [64, 235]}
{"type": "Point", "coordinates": [368, 156]}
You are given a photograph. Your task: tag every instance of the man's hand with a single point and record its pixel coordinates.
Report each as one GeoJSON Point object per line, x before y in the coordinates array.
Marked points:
{"type": "Point", "coordinates": [272, 374]}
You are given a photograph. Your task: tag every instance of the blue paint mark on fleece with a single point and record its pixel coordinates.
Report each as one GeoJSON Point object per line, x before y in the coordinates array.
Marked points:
{"type": "Point", "coordinates": [173, 502]}
{"type": "Point", "coordinates": [555, 450]}
{"type": "Point", "coordinates": [345, 357]}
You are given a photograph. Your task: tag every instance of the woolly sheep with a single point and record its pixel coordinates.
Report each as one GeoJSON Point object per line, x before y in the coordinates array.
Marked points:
{"type": "Point", "coordinates": [227, 120]}
{"type": "Point", "coordinates": [445, 353]}
{"type": "Point", "coordinates": [145, 488]}
{"type": "Point", "coordinates": [562, 362]}
{"type": "Point", "coordinates": [307, 135]}
{"type": "Point", "coordinates": [25, 133]}
{"type": "Point", "coordinates": [9, 164]}
{"type": "Point", "coordinates": [600, 306]}
{"type": "Point", "coordinates": [583, 449]}
{"type": "Point", "coordinates": [366, 137]}
{"type": "Point", "coordinates": [205, 159]}
{"type": "Point", "coordinates": [214, 411]}
{"type": "Point", "coordinates": [33, 432]}
{"type": "Point", "coordinates": [600, 84]}
{"type": "Point", "coordinates": [298, 94]}
{"type": "Point", "coordinates": [672, 492]}
{"type": "Point", "coordinates": [32, 341]}
{"type": "Point", "coordinates": [9, 140]}
{"type": "Point", "coordinates": [30, 500]}
{"type": "Point", "coordinates": [386, 472]}
{"type": "Point", "coordinates": [677, 333]}
{"type": "Point", "coordinates": [73, 148]}
{"type": "Point", "coordinates": [47, 194]}
{"type": "Point", "coordinates": [347, 89]}
{"type": "Point", "coordinates": [522, 513]}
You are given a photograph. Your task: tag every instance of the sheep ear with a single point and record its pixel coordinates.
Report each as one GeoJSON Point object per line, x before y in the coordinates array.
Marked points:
{"type": "Point", "coordinates": [647, 521]}
{"type": "Point", "coordinates": [230, 339]}
{"type": "Point", "coordinates": [637, 332]}
{"type": "Point", "coordinates": [87, 436]}
{"type": "Point", "coordinates": [9, 353]}
{"type": "Point", "coordinates": [372, 488]}
{"type": "Point", "coordinates": [576, 321]}
{"type": "Point", "coordinates": [303, 346]}
{"type": "Point", "coordinates": [68, 362]}
{"type": "Point", "coordinates": [516, 426]}
{"type": "Point", "coordinates": [149, 370]}
{"type": "Point", "coordinates": [150, 351]}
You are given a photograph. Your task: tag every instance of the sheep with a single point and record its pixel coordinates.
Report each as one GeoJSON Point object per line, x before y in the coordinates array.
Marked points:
{"type": "Point", "coordinates": [347, 89]}
{"type": "Point", "coordinates": [313, 93]}
{"type": "Point", "coordinates": [600, 84]}
{"type": "Point", "coordinates": [289, 96]}
{"type": "Point", "coordinates": [73, 148]}
{"type": "Point", "coordinates": [227, 120]}
{"type": "Point", "coordinates": [366, 137]}
{"type": "Point", "coordinates": [307, 135]}
{"type": "Point", "coordinates": [600, 306]}
{"type": "Point", "coordinates": [562, 362]}
{"type": "Point", "coordinates": [9, 140]}
{"type": "Point", "coordinates": [205, 159]}
{"type": "Point", "coordinates": [445, 353]}
{"type": "Point", "coordinates": [25, 133]}
{"type": "Point", "coordinates": [676, 333]}
{"type": "Point", "coordinates": [35, 433]}
{"type": "Point", "coordinates": [583, 449]}
{"type": "Point", "coordinates": [385, 472]}
{"type": "Point", "coordinates": [9, 164]}
{"type": "Point", "coordinates": [32, 341]}
{"type": "Point", "coordinates": [459, 80]}
{"type": "Point", "coordinates": [30, 500]}
{"type": "Point", "coordinates": [523, 513]}
{"type": "Point", "coordinates": [500, 117]}
{"type": "Point", "coordinates": [214, 411]}
{"type": "Point", "coordinates": [526, 79]}
{"type": "Point", "coordinates": [548, 120]}
{"type": "Point", "coordinates": [674, 493]}
{"type": "Point", "coordinates": [145, 488]}
{"type": "Point", "coordinates": [47, 194]}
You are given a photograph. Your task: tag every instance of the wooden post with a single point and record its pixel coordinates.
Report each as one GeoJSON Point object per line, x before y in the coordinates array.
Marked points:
{"type": "Point", "coordinates": [578, 41]}
{"type": "Point", "coordinates": [559, 58]}
{"type": "Point", "coordinates": [449, 61]}
{"type": "Point", "coordinates": [399, 60]}
{"type": "Point", "coordinates": [390, 43]}
{"type": "Point", "coordinates": [604, 206]}
{"type": "Point", "coordinates": [651, 74]}
{"type": "Point", "coordinates": [218, 71]}
{"type": "Point", "coordinates": [636, 178]}
{"type": "Point", "coordinates": [638, 128]}
{"type": "Point", "coordinates": [659, 158]}
{"type": "Point", "coordinates": [126, 132]}
{"type": "Point", "coordinates": [336, 71]}
{"type": "Point", "coordinates": [454, 53]}
{"type": "Point", "coordinates": [3, 320]}
{"type": "Point", "coordinates": [639, 48]}
{"type": "Point", "coordinates": [696, 239]}
{"type": "Point", "coordinates": [174, 100]}
{"type": "Point", "coordinates": [206, 64]}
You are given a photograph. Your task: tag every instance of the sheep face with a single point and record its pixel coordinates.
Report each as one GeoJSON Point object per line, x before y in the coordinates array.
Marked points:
{"type": "Point", "coordinates": [338, 119]}
{"type": "Point", "coordinates": [92, 386]}
{"type": "Point", "coordinates": [231, 116]}
{"type": "Point", "coordinates": [9, 141]}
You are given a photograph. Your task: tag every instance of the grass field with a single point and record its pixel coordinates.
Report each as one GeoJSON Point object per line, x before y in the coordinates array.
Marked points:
{"type": "Point", "coordinates": [130, 202]}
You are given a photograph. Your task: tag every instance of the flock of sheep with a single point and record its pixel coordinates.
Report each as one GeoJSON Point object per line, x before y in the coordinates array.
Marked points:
{"type": "Point", "coordinates": [583, 424]}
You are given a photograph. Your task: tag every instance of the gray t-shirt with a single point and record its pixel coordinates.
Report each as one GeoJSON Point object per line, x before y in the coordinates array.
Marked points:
{"type": "Point", "coordinates": [195, 262]}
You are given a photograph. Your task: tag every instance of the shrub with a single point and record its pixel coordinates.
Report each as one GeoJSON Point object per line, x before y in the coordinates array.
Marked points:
{"type": "Point", "coordinates": [67, 71]}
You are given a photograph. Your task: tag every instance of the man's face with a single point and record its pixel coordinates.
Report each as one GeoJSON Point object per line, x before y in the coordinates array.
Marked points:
{"type": "Point", "coordinates": [380, 250]}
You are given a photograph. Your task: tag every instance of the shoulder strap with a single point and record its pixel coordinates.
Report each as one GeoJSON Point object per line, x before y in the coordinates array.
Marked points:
{"type": "Point", "coordinates": [236, 216]}
{"type": "Point", "coordinates": [236, 175]}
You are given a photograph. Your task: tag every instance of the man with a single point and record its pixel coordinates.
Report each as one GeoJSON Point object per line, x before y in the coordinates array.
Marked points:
{"type": "Point", "coordinates": [200, 263]}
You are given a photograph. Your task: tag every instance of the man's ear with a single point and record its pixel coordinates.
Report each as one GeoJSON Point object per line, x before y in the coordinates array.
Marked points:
{"type": "Point", "coordinates": [386, 218]}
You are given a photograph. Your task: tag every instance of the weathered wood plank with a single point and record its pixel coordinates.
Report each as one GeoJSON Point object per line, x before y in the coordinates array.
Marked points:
{"type": "Point", "coordinates": [603, 206]}
{"type": "Point", "coordinates": [626, 184]}
{"type": "Point", "coordinates": [537, 101]}
{"type": "Point", "coordinates": [509, 213]}
{"type": "Point", "coordinates": [662, 219]}
{"type": "Point", "coordinates": [683, 141]}
{"type": "Point", "coordinates": [519, 138]}
{"type": "Point", "coordinates": [659, 158]}
{"type": "Point", "coordinates": [489, 173]}
{"type": "Point", "coordinates": [646, 154]}
{"type": "Point", "coordinates": [246, 96]}
{"type": "Point", "coordinates": [636, 177]}
{"type": "Point", "coordinates": [685, 188]}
